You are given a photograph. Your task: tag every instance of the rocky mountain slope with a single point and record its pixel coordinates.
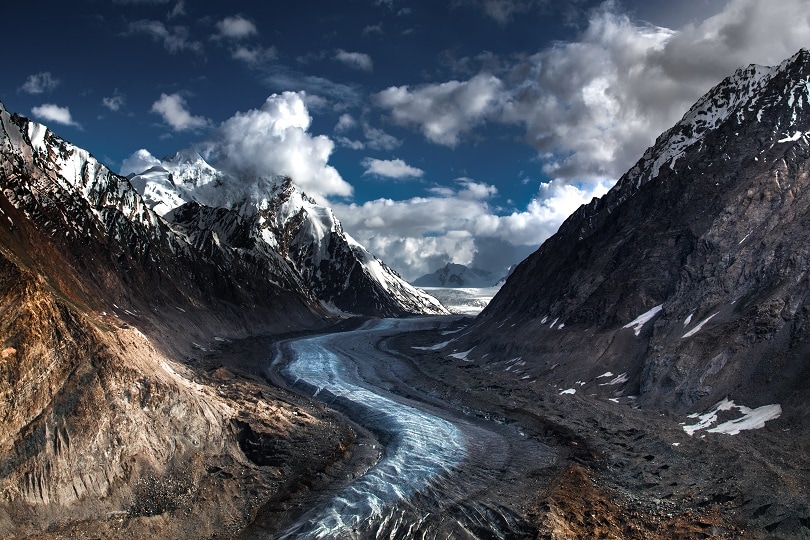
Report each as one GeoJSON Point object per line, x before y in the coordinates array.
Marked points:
{"type": "Point", "coordinates": [114, 420]}
{"type": "Point", "coordinates": [271, 217]}
{"type": "Point", "coordinates": [687, 283]}
{"type": "Point", "coordinates": [457, 275]}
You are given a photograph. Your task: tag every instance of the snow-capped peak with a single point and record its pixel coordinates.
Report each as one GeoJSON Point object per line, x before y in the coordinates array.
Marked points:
{"type": "Point", "coordinates": [340, 271]}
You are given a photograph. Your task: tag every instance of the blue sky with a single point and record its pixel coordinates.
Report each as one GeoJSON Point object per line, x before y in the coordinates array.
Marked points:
{"type": "Point", "coordinates": [463, 130]}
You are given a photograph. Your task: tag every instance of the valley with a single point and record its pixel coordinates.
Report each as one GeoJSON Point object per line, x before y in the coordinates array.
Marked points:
{"type": "Point", "coordinates": [521, 460]}
{"type": "Point", "coordinates": [197, 348]}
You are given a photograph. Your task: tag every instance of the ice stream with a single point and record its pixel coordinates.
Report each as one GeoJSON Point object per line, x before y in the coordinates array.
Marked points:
{"type": "Point", "coordinates": [419, 447]}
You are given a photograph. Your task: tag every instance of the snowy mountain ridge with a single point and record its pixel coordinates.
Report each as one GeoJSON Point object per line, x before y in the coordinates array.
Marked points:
{"type": "Point", "coordinates": [272, 214]}
{"type": "Point", "coordinates": [754, 94]}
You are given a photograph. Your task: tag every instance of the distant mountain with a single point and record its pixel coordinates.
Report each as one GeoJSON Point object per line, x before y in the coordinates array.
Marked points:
{"type": "Point", "coordinates": [689, 279]}
{"type": "Point", "coordinates": [268, 218]}
{"type": "Point", "coordinates": [456, 276]}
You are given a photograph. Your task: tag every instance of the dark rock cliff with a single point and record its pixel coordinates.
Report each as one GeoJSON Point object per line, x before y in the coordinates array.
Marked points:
{"type": "Point", "coordinates": [712, 226]}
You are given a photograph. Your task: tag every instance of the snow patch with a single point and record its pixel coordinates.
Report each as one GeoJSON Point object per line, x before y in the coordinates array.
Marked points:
{"type": "Point", "coordinates": [568, 391]}
{"type": "Point", "coordinates": [698, 327]}
{"type": "Point", "coordinates": [750, 419]}
{"type": "Point", "coordinates": [637, 323]}
{"type": "Point", "coordinates": [461, 355]}
{"type": "Point", "coordinates": [618, 380]}
{"type": "Point", "coordinates": [605, 374]}
{"type": "Point", "coordinates": [436, 347]}
{"type": "Point", "coordinates": [795, 137]}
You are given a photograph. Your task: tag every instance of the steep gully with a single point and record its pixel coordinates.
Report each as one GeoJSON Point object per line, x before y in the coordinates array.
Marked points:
{"type": "Point", "coordinates": [439, 471]}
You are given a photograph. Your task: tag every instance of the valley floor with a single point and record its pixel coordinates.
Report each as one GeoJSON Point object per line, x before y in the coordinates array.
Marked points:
{"type": "Point", "coordinates": [617, 471]}
{"type": "Point", "coordinates": [624, 472]}
{"type": "Point", "coordinates": [620, 472]}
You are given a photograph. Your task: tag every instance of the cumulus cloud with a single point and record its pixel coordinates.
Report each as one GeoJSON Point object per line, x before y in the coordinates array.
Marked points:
{"type": "Point", "coordinates": [114, 102]}
{"type": "Point", "coordinates": [139, 161]}
{"type": "Point", "coordinates": [39, 83]}
{"type": "Point", "coordinates": [275, 140]}
{"type": "Point", "coordinates": [418, 235]}
{"type": "Point", "coordinates": [235, 27]}
{"type": "Point", "coordinates": [174, 39]}
{"type": "Point", "coordinates": [355, 60]}
{"type": "Point", "coordinates": [54, 113]}
{"type": "Point", "coordinates": [445, 111]}
{"type": "Point", "coordinates": [391, 168]}
{"type": "Point", "coordinates": [172, 107]}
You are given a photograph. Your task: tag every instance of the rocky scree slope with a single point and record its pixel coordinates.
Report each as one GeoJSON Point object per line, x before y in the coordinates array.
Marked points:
{"type": "Point", "coordinates": [102, 432]}
{"type": "Point", "coordinates": [270, 217]}
{"type": "Point", "coordinates": [688, 281]}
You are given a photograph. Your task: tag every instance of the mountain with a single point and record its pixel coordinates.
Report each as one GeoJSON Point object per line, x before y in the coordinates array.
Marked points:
{"type": "Point", "coordinates": [456, 275]}
{"type": "Point", "coordinates": [689, 279]}
{"type": "Point", "coordinates": [270, 217]}
{"type": "Point", "coordinates": [119, 415]}
{"type": "Point", "coordinates": [107, 428]}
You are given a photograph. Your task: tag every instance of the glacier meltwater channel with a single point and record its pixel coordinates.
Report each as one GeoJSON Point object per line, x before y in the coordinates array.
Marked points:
{"type": "Point", "coordinates": [420, 448]}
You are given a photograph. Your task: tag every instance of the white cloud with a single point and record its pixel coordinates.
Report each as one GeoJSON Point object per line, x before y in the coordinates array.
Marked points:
{"type": "Point", "coordinates": [172, 107]}
{"type": "Point", "coordinates": [114, 102]}
{"type": "Point", "coordinates": [352, 144]}
{"type": "Point", "coordinates": [378, 139]}
{"type": "Point", "coordinates": [54, 113]}
{"type": "Point", "coordinates": [39, 83]}
{"type": "Point", "coordinates": [138, 162]}
{"type": "Point", "coordinates": [443, 112]}
{"type": "Point", "coordinates": [274, 140]}
{"type": "Point", "coordinates": [236, 27]}
{"type": "Point", "coordinates": [355, 60]}
{"type": "Point", "coordinates": [174, 39]}
{"type": "Point", "coordinates": [418, 235]}
{"type": "Point", "coordinates": [391, 168]}
{"type": "Point", "coordinates": [345, 123]}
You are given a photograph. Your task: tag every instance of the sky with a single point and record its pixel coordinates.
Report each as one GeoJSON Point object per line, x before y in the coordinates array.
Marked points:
{"type": "Point", "coordinates": [438, 131]}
